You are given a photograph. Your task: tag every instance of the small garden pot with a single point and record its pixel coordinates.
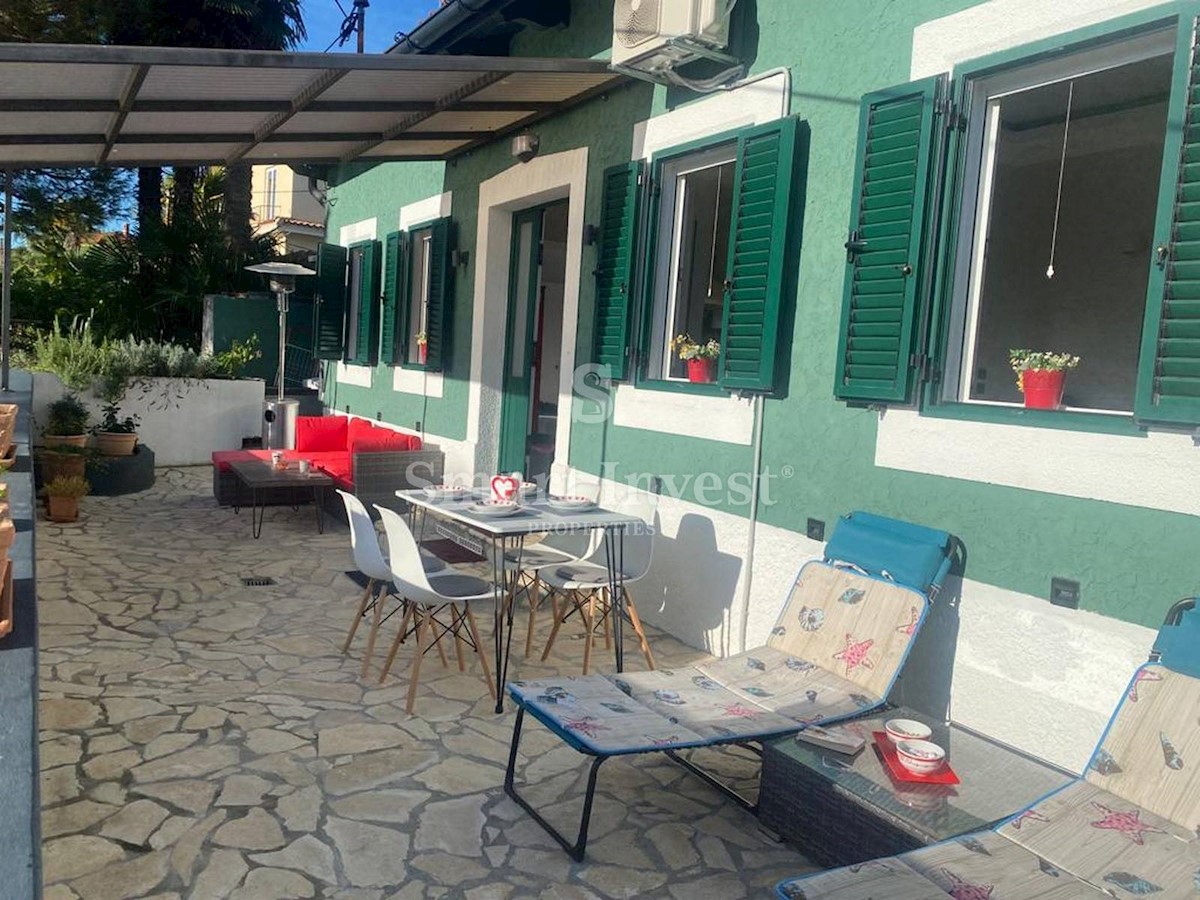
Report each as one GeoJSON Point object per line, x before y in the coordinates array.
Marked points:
{"type": "Point", "coordinates": [702, 370]}
{"type": "Point", "coordinates": [1043, 388]}
{"type": "Point", "coordinates": [64, 440]}
{"type": "Point", "coordinates": [63, 509]}
{"type": "Point", "coordinates": [116, 443]}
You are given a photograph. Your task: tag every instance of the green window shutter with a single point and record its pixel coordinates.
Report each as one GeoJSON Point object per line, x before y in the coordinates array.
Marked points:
{"type": "Point", "coordinates": [366, 351]}
{"type": "Point", "coordinates": [880, 305]}
{"type": "Point", "coordinates": [395, 282]}
{"type": "Point", "coordinates": [615, 266]}
{"type": "Point", "coordinates": [330, 307]}
{"type": "Point", "coordinates": [441, 286]}
{"type": "Point", "coordinates": [758, 230]}
{"type": "Point", "coordinates": [1168, 386]}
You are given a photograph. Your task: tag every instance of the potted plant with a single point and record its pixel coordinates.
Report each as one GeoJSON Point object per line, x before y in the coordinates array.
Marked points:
{"type": "Point", "coordinates": [67, 423]}
{"type": "Point", "coordinates": [422, 347]}
{"type": "Point", "coordinates": [116, 436]}
{"type": "Point", "coordinates": [701, 359]}
{"type": "Point", "coordinates": [63, 495]}
{"type": "Point", "coordinates": [1041, 375]}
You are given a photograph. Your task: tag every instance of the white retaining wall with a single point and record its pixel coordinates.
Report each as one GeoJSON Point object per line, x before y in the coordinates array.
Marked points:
{"type": "Point", "coordinates": [182, 420]}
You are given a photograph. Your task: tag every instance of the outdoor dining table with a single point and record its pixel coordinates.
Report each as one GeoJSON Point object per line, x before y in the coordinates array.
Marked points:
{"type": "Point", "coordinates": [507, 536]}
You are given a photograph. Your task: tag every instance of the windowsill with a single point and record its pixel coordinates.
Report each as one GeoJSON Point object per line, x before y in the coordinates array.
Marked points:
{"type": "Point", "coordinates": [1065, 420]}
{"type": "Point", "coordinates": [680, 387]}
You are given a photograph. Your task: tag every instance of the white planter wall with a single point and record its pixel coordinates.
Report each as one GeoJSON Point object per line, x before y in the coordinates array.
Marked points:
{"type": "Point", "coordinates": [182, 420]}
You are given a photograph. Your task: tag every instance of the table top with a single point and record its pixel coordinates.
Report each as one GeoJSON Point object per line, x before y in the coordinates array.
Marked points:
{"type": "Point", "coordinates": [260, 473]}
{"type": "Point", "coordinates": [996, 781]}
{"type": "Point", "coordinates": [535, 517]}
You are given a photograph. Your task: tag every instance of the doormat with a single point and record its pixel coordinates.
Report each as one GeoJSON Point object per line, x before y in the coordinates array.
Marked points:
{"type": "Point", "coordinates": [448, 551]}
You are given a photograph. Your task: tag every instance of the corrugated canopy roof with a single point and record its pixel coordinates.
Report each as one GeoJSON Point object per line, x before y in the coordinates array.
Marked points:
{"type": "Point", "coordinates": [69, 105]}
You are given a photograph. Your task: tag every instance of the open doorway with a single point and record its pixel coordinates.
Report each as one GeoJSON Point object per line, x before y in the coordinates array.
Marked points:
{"type": "Point", "coordinates": [533, 343]}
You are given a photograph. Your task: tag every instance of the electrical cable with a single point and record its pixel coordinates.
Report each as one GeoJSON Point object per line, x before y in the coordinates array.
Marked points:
{"type": "Point", "coordinates": [1062, 166]}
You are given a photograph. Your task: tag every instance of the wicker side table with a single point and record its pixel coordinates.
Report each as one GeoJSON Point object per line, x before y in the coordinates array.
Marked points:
{"type": "Point", "coordinates": [840, 810]}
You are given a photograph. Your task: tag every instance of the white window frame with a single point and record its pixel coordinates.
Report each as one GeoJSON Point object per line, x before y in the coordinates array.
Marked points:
{"type": "Point", "coordinates": [420, 259]}
{"type": "Point", "coordinates": [975, 196]}
{"type": "Point", "coordinates": [666, 265]}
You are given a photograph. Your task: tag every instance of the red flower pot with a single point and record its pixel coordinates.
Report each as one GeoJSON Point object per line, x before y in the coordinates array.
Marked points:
{"type": "Point", "coordinates": [1043, 388]}
{"type": "Point", "coordinates": [702, 370]}
{"type": "Point", "coordinates": [422, 353]}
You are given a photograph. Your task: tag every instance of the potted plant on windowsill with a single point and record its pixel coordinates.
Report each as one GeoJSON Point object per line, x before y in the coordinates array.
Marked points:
{"type": "Point", "coordinates": [701, 359]}
{"type": "Point", "coordinates": [1041, 375]}
{"type": "Point", "coordinates": [116, 436]}
{"type": "Point", "coordinates": [67, 423]}
{"type": "Point", "coordinates": [62, 495]}
{"type": "Point", "coordinates": [422, 347]}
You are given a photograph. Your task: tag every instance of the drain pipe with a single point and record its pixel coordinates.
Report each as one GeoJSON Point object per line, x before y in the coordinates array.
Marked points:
{"type": "Point", "coordinates": [755, 485]}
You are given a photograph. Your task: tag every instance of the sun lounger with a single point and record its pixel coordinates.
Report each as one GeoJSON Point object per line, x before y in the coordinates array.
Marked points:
{"type": "Point", "coordinates": [835, 652]}
{"type": "Point", "coordinates": [1127, 828]}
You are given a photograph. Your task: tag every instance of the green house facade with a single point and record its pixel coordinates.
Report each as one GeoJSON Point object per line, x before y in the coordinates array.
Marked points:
{"type": "Point", "coordinates": [892, 198]}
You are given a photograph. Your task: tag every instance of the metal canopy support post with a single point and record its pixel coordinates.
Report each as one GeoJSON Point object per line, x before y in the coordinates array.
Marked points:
{"type": "Point", "coordinates": [6, 294]}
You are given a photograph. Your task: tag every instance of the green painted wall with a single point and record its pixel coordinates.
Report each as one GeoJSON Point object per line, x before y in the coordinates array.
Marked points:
{"type": "Point", "coordinates": [1131, 562]}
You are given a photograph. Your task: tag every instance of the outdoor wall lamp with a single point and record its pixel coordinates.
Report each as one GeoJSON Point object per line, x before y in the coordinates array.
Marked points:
{"type": "Point", "coordinates": [525, 146]}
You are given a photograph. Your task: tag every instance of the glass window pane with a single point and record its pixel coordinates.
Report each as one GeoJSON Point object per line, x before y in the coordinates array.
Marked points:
{"type": "Point", "coordinates": [520, 307]}
{"type": "Point", "coordinates": [418, 309]}
{"type": "Point", "coordinates": [356, 260]}
{"type": "Point", "coordinates": [1078, 193]}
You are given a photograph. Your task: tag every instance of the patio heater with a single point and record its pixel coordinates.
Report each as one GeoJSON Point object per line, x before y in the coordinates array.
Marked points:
{"type": "Point", "coordinates": [279, 415]}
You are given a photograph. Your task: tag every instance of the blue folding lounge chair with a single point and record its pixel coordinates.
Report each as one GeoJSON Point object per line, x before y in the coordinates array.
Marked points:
{"type": "Point", "coordinates": [845, 631]}
{"type": "Point", "coordinates": [1126, 828]}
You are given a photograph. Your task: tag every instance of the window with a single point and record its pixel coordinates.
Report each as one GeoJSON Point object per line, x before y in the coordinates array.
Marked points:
{"type": "Point", "coordinates": [269, 200]}
{"type": "Point", "coordinates": [417, 286]}
{"type": "Point", "coordinates": [1045, 204]}
{"type": "Point", "coordinates": [1058, 223]}
{"type": "Point", "coordinates": [717, 261]}
{"type": "Point", "coordinates": [421, 248]}
{"type": "Point", "coordinates": [693, 228]}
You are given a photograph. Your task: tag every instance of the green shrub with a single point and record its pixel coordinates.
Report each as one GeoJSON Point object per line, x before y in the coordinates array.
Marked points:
{"type": "Point", "coordinates": [67, 415]}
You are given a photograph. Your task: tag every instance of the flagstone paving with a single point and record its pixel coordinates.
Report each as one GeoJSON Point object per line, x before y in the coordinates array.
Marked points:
{"type": "Point", "coordinates": [202, 739]}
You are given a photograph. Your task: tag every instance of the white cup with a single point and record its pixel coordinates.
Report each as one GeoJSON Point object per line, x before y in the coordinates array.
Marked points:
{"type": "Point", "coordinates": [303, 466]}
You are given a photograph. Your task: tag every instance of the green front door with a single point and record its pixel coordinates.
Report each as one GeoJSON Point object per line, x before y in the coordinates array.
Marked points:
{"type": "Point", "coordinates": [516, 413]}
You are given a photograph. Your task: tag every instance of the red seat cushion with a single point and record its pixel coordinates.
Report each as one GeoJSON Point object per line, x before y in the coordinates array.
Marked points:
{"type": "Point", "coordinates": [321, 433]}
{"type": "Point", "coordinates": [336, 465]}
{"type": "Point", "coordinates": [384, 439]}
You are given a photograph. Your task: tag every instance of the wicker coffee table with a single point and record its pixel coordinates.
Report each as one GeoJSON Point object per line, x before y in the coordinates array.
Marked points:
{"type": "Point", "coordinates": [841, 810]}
{"type": "Point", "coordinates": [269, 486]}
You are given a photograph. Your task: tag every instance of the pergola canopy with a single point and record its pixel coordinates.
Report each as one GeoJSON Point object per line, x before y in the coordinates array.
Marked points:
{"type": "Point", "coordinates": [75, 105]}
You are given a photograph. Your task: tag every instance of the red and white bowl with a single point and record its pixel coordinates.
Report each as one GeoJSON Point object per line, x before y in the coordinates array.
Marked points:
{"type": "Point", "coordinates": [920, 757]}
{"type": "Point", "coordinates": [906, 730]}
{"type": "Point", "coordinates": [571, 502]}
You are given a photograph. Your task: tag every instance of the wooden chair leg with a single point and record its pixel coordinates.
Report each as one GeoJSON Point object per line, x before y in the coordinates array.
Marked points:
{"type": "Point", "coordinates": [606, 610]}
{"type": "Point", "coordinates": [535, 599]}
{"type": "Point", "coordinates": [376, 622]}
{"type": "Point", "coordinates": [415, 676]}
{"type": "Point", "coordinates": [456, 623]}
{"type": "Point", "coordinates": [362, 608]}
{"type": "Point", "coordinates": [636, 620]}
{"type": "Point", "coordinates": [589, 622]}
{"type": "Point", "coordinates": [397, 641]}
{"type": "Point", "coordinates": [481, 652]}
{"type": "Point", "coordinates": [558, 621]}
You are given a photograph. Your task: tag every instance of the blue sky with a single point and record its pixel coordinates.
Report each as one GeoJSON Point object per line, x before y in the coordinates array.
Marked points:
{"type": "Point", "coordinates": [384, 18]}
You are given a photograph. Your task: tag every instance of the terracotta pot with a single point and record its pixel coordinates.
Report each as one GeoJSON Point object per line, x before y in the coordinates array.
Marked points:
{"type": "Point", "coordinates": [55, 464]}
{"type": "Point", "coordinates": [64, 440]}
{"type": "Point", "coordinates": [63, 509]}
{"type": "Point", "coordinates": [702, 370]}
{"type": "Point", "coordinates": [1043, 389]}
{"type": "Point", "coordinates": [116, 443]}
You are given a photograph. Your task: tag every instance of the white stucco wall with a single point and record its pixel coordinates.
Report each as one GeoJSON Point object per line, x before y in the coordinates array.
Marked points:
{"type": "Point", "coordinates": [182, 420]}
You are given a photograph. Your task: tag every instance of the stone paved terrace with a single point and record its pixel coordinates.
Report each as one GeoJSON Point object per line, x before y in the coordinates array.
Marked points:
{"type": "Point", "coordinates": [201, 739]}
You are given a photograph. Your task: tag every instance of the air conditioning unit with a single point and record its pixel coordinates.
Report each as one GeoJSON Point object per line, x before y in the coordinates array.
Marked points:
{"type": "Point", "coordinates": [654, 36]}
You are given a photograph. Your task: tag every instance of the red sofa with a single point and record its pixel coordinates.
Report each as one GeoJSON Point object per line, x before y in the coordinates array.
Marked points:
{"type": "Point", "coordinates": [361, 457]}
